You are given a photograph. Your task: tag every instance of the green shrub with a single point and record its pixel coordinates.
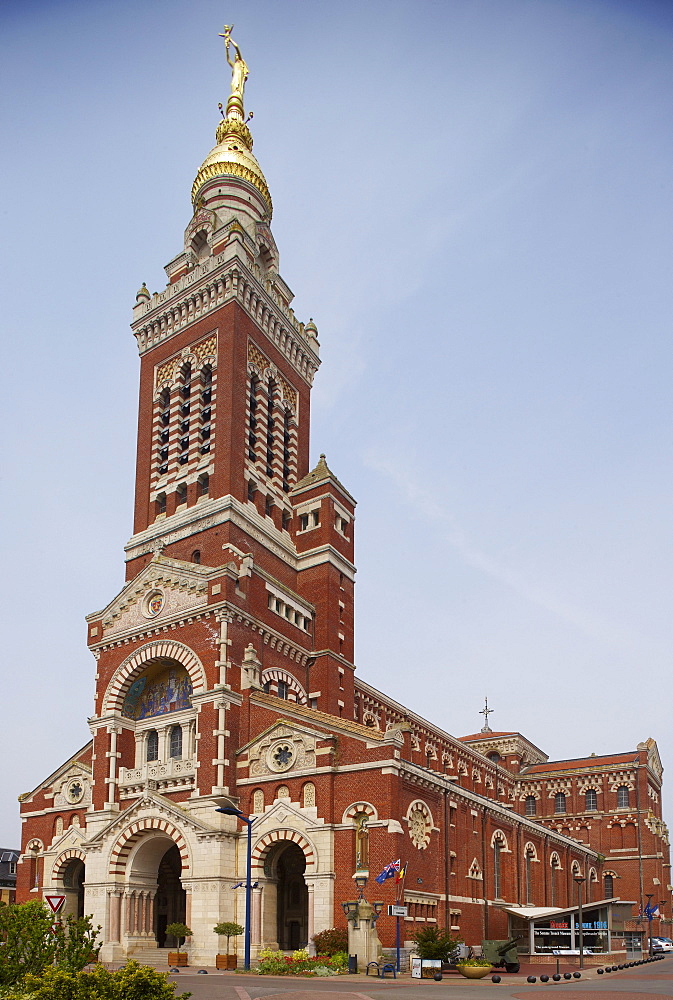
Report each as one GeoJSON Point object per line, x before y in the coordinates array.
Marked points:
{"type": "Point", "coordinates": [331, 941]}
{"type": "Point", "coordinates": [431, 942]}
{"type": "Point", "coordinates": [132, 982]}
{"type": "Point", "coordinates": [476, 962]}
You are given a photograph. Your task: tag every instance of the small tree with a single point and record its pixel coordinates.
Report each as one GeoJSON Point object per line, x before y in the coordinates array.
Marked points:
{"type": "Point", "coordinates": [179, 932]}
{"type": "Point", "coordinates": [431, 942]}
{"type": "Point", "coordinates": [27, 944]}
{"type": "Point", "coordinates": [228, 930]}
{"type": "Point", "coordinates": [331, 942]}
{"type": "Point", "coordinates": [76, 943]}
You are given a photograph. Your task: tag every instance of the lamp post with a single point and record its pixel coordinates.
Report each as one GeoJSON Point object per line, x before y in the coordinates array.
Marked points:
{"type": "Point", "coordinates": [648, 914]}
{"type": "Point", "coordinates": [231, 811]}
{"type": "Point", "coordinates": [580, 879]}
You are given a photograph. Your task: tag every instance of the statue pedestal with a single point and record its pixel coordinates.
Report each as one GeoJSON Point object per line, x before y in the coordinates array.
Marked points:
{"type": "Point", "coordinates": [363, 938]}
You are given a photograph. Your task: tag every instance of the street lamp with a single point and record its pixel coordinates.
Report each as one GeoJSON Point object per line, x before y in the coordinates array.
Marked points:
{"type": "Point", "coordinates": [580, 879]}
{"type": "Point", "coordinates": [231, 811]}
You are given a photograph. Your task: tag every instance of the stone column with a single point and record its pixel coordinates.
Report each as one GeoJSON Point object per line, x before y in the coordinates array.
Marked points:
{"type": "Point", "coordinates": [311, 923]}
{"type": "Point", "coordinates": [256, 929]}
{"type": "Point", "coordinates": [115, 915]}
{"type": "Point", "coordinates": [112, 755]}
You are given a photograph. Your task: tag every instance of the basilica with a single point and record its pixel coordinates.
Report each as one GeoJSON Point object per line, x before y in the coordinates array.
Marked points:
{"type": "Point", "coordinates": [225, 675]}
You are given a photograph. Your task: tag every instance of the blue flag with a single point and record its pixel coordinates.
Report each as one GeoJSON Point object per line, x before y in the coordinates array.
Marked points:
{"type": "Point", "coordinates": [388, 872]}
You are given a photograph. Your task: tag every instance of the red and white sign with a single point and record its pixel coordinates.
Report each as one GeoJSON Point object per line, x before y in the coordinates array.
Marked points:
{"type": "Point", "coordinates": [55, 903]}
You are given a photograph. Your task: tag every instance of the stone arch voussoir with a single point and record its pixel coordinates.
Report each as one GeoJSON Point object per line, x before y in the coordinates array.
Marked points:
{"type": "Point", "coordinates": [64, 859]}
{"type": "Point", "coordinates": [135, 662]}
{"type": "Point", "coordinates": [119, 855]}
{"type": "Point", "coordinates": [269, 840]}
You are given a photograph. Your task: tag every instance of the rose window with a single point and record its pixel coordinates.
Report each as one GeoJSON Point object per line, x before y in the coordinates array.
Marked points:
{"type": "Point", "coordinates": [281, 756]}
{"type": "Point", "coordinates": [419, 827]}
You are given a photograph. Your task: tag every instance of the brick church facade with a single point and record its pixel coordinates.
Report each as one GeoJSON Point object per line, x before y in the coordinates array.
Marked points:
{"type": "Point", "coordinates": [225, 668]}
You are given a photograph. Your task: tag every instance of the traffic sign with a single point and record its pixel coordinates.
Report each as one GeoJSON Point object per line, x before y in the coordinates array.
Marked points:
{"type": "Point", "coordinates": [55, 903]}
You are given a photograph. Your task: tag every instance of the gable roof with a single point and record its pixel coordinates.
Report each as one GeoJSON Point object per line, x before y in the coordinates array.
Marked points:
{"type": "Point", "coordinates": [573, 764]}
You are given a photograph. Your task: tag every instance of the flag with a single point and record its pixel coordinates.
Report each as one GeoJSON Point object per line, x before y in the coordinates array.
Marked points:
{"type": "Point", "coordinates": [388, 872]}
{"type": "Point", "coordinates": [401, 873]}
{"type": "Point", "coordinates": [651, 910]}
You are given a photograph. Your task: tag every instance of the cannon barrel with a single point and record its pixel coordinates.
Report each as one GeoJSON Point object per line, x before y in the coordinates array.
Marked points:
{"type": "Point", "coordinates": [506, 945]}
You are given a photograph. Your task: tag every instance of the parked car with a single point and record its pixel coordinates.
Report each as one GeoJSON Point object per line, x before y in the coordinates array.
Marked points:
{"type": "Point", "coordinates": [662, 944]}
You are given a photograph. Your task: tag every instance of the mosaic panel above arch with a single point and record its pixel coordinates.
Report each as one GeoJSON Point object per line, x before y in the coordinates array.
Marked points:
{"type": "Point", "coordinates": [164, 687]}
{"type": "Point", "coordinates": [137, 664]}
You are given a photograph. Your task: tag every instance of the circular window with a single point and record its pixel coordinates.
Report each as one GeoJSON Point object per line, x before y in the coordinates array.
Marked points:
{"type": "Point", "coordinates": [74, 791]}
{"type": "Point", "coordinates": [419, 826]}
{"type": "Point", "coordinates": [154, 603]}
{"type": "Point", "coordinates": [281, 756]}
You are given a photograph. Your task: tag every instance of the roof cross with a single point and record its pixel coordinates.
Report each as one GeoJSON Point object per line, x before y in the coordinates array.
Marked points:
{"type": "Point", "coordinates": [486, 711]}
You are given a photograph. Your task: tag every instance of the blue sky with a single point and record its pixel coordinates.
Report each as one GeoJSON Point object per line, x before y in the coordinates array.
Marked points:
{"type": "Point", "coordinates": [473, 200]}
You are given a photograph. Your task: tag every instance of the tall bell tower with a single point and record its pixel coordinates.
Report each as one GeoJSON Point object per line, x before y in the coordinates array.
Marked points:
{"type": "Point", "coordinates": [223, 471]}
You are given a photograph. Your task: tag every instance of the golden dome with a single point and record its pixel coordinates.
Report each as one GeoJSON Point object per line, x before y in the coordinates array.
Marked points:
{"type": "Point", "coordinates": [232, 156]}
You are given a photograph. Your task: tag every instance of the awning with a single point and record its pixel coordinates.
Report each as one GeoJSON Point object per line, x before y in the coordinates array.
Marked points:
{"type": "Point", "coordinates": [533, 912]}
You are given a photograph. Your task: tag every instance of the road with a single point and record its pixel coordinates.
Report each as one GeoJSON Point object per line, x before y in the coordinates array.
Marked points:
{"type": "Point", "coordinates": [641, 983]}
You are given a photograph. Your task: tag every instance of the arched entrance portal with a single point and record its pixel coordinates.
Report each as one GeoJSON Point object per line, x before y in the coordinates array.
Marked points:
{"type": "Point", "coordinates": [73, 884]}
{"type": "Point", "coordinates": [154, 894]}
{"type": "Point", "coordinates": [292, 897]}
{"type": "Point", "coordinates": [171, 905]}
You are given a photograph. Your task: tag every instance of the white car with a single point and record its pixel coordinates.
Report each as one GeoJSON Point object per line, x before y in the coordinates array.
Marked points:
{"type": "Point", "coordinates": [662, 944]}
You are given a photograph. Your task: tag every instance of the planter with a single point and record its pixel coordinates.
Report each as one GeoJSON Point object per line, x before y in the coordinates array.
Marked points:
{"type": "Point", "coordinates": [474, 971]}
{"type": "Point", "coordinates": [177, 958]}
{"type": "Point", "coordinates": [226, 962]}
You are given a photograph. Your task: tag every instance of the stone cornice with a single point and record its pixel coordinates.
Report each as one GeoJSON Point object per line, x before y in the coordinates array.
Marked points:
{"type": "Point", "coordinates": [213, 283]}
{"type": "Point", "coordinates": [209, 514]}
{"type": "Point", "coordinates": [410, 770]}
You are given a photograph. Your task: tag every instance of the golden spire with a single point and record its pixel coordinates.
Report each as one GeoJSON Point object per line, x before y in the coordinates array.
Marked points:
{"type": "Point", "coordinates": [233, 152]}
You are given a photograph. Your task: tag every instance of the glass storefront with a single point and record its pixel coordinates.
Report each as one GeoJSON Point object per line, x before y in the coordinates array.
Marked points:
{"type": "Point", "coordinates": [560, 933]}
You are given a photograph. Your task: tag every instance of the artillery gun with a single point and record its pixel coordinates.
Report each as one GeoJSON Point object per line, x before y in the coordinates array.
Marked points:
{"type": "Point", "coordinates": [502, 954]}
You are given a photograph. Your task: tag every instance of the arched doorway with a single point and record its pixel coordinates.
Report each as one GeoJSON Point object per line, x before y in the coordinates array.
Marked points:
{"type": "Point", "coordinates": [73, 884]}
{"type": "Point", "coordinates": [292, 897]}
{"type": "Point", "coordinates": [171, 899]}
{"type": "Point", "coordinates": [154, 894]}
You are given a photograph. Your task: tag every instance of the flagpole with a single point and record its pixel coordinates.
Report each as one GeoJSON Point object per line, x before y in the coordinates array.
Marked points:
{"type": "Point", "coordinates": [397, 919]}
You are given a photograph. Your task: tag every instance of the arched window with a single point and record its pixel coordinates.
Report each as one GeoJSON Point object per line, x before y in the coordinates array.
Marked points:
{"type": "Point", "coordinates": [530, 857]}
{"type": "Point", "coordinates": [282, 689]}
{"type": "Point", "coordinates": [623, 797]}
{"type": "Point", "coordinates": [152, 745]}
{"type": "Point", "coordinates": [252, 405]}
{"type": "Point", "coordinates": [497, 868]}
{"type": "Point", "coordinates": [559, 803]}
{"type": "Point", "coordinates": [176, 742]}
{"type": "Point", "coordinates": [185, 392]}
{"type": "Point", "coordinates": [163, 430]}
{"type": "Point", "coordinates": [286, 451]}
{"type": "Point", "coordinates": [203, 485]}
{"type": "Point", "coordinates": [555, 865]}
{"type": "Point", "coordinates": [160, 504]}
{"type": "Point", "coordinates": [270, 426]}
{"type": "Point", "coordinates": [608, 887]}
{"type": "Point", "coordinates": [590, 800]}
{"type": "Point", "coordinates": [494, 757]}
{"type": "Point", "coordinates": [531, 805]}
{"type": "Point", "coordinates": [206, 409]}
{"type": "Point", "coordinates": [196, 556]}
{"type": "Point", "coordinates": [181, 495]}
